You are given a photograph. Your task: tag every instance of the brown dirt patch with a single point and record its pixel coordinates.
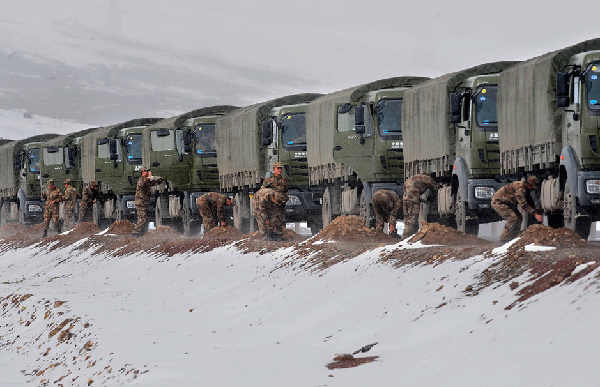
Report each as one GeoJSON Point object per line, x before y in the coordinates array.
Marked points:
{"type": "Point", "coordinates": [349, 361]}
{"type": "Point", "coordinates": [438, 234]}
{"type": "Point", "coordinates": [12, 228]}
{"type": "Point", "coordinates": [541, 235]}
{"type": "Point", "coordinates": [121, 227]}
{"type": "Point", "coordinates": [162, 232]}
{"type": "Point", "coordinates": [227, 232]}
{"type": "Point", "coordinates": [351, 228]}
{"type": "Point", "coordinates": [84, 229]}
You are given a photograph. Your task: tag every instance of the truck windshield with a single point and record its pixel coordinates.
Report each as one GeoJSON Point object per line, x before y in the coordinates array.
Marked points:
{"type": "Point", "coordinates": [484, 100]}
{"type": "Point", "coordinates": [205, 139]}
{"type": "Point", "coordinates": [389, 113]}
{"type": "Point", "coordinates": [592, 84]}
{"type": "Point", "coordinates": [53, 156]}
{"type": "Point", "coordinates": [293, 131]}
{"type": "Point", "coordinates": [34, 160]}
{"type": "Point", "coordinates": [133, 148]}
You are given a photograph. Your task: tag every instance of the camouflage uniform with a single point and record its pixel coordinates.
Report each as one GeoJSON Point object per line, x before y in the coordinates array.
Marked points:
{"type": "Point", "coordinates": [142, 200]}
{"type": "Point", "coordinates": [90, 193]}
{"type": "Point", "coordinates": [70, 199]}
{"type": "Point", "coordinates": [274, 213]}
{"type": "Point", "coordinates": [387, 207]}
{"type": "Point", "coordinates": [211, 207]}
{"type": "Point", "coordinates": [506, 201]}
{"type": "Point", "coordinates": [414, 187]}
{"type": "Point", "coordinates": [53, 196]}
{"type": "Point", "coordinates": [259, 196]}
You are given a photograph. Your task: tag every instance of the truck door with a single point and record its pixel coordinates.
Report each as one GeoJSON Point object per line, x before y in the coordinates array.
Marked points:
{"type": "Point", "coordinates": [168, 157]}
{"type": "Point", "coordinates": [353, 136]}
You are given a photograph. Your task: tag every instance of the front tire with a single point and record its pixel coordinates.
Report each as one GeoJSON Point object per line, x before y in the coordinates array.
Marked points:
{"type": "Point", "coordinates": [581, 224]}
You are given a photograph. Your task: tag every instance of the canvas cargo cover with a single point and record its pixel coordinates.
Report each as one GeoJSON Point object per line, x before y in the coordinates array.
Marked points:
{"type": "Point", "coordinates": [321, 116]}
{"type": "Point", "coordinates": [527, 112]}
{"type": "Point", "coordinates": [66, 139]}
{"type": "Point", "coordinates": [88, 143]}
{"type": "Point", "coordinates": [426, 128]}
{"type": "Point", "coordinates": [9, 178]}
{"type": "Point", "coordinates": [239, 136]}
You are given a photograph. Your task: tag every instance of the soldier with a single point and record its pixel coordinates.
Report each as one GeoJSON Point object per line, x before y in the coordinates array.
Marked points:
{"type": "Point", "coordinates": [506, 202]}
{"type": "Point", "coordinates": [414, 187]}
{"type": "Point", "coordinates": [53, 196]}
{"type": "Point", "coordinates": [89, 196]}
{"type": "Point", "coordinates": [142, 199]}
{"type": "Point", "coordinates": [211, 207]}
{"type": "Point", "coordinates": [273, 206]}
{"type": "Point", "coordinates": [387, 207]}
{"type": "Point", "coordinates": [70, 199]}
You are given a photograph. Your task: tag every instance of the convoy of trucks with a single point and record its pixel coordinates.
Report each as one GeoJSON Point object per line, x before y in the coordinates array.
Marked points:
{"type": "Point", "coordinates": [355, 146]}
{"type": "Point", "coordinates": [250, 140]}
{"type": "Point", "coordinates": [473, 131]}
{"type": "Point", "coordinates": [451, 133]}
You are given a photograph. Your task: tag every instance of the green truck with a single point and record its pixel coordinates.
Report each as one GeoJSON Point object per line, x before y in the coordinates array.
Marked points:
{"type": "Point", "coordinates": [549, 120]}
{"type": "Point", "coordinates": [250, 140]}
{"type": "Point", "coordinates": [356, 146]}
{"type": "Point", "coordinates": [451, 133]}
{"type": "Point", "coordinates": [183, 150]}
{"type": "Point", "coordinates": [20, 194]}
{"type": "Point", "coordinates": [112, 156]}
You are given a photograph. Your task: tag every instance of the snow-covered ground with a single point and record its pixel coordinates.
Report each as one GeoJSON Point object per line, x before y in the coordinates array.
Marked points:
{"type": "Point", "coordinates": [225, 318]}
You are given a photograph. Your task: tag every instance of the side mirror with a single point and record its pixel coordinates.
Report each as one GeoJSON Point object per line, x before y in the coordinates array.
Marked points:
{"type": "Point", "coordinates": [114, 156]}
{"type": "Point", "coordinates": [163, 132]}
{"type": "Point", "coordinates": [359, 119]}
{"type": "Point", "coordinates": [71, 153]}
{"type": "Point", "coordinates": [562, 89]}
{"type": "Point", "coordinates": [17, 164]}
{"type": "Point", "coordinates": [112, 148]}
{"type": "Point", "coordinates": [52, 149]}
{"type": "Point", "coordinates": [267, 132]}
{"type": "Point", "coordinates": [455, 100]}
{"type": "Point", "coordinates": [187, 138]}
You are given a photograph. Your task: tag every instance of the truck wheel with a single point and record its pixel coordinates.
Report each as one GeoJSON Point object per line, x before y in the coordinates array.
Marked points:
{"type": "Point", "coordinates": [315, 225]}
{"type": "Point", "coordinates": [581, 224]}
{"type": "Point", "coordinates": [119, 211]}
{"type": "Point", "coordinates": [465, 221]}
{"type": "Point", "coordinates": [239, 221]}
{"type": "Point", "coordinates": [158, 213]}
{"type": "Point", "coordinates": [555, 221]}
{"type": "Point", "coordinates": [190, 226]}
{"type": "Point", "coordinates": [326, 210]}
{"type": "Point", "coordinates": [2, 214]}
{"type": "Point", "coordinates": [366, 211]}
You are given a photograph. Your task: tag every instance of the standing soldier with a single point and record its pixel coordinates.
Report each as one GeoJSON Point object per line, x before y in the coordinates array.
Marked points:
{"type": "Point", "coordinates": [70, 199]}
{"type": "Point", "coordinates": [53, 196]}
{"type": "Point", "coordinates": [273, 206]}
{"type": "Point", "coordinates": [506, 201]}
{"type": "Point", "coordinates": [211, 207]}
{"type": "Point", "coordinates": [387, 207]}
{"type": "Point", "coordinates": [142, 199]}
{"type": "Point", "coordinates": [89, 196]}
{"type": "Point", "coordinates": [414, 187]}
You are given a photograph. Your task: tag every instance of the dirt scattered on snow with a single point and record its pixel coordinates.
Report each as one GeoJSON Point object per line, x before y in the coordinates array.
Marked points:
{"type": "Point", "coordinates": [541, 235]}
{"type": "Point", "coordinates": [121, 227]}
{"type": "Point", "coordinates": [11, 228]}
{"type": "Point", "coordinates": [227, 232]}
{"type": "Point", "coordinates": [84, 229]}
{"type": "Point", "coordinates": [349, 361]}
{"type": "Point", "coordinates": [438, 234]}
{"type": "Point", "coordinates": [351, 228]}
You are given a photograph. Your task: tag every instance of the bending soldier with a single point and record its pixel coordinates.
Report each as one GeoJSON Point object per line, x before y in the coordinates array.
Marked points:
{"type": "Point", "coordinates": [53, 196]}
{"type": "Point", "coordinates": [88, 197]}
{"type": "Point", "coordinates": [70, 199]}
{"type": "Point", "coordinates": [211, 207]}
{"type": "Point", "coordinates": [142, 199]}
{"type": "Point", "coordinates": [506, 201]}
{"type": "Point", "coordinates": [414, 187]}
{"type": "Point", "coordinates": [387, 207]}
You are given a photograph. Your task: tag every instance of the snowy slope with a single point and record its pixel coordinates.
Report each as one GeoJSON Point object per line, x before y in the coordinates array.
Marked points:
{"type": "Point", "coordinates": [225, 318]}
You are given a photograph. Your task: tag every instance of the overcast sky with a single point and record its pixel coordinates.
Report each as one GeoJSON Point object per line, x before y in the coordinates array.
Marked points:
{"type": "Point", "coordinates": [108, 60]}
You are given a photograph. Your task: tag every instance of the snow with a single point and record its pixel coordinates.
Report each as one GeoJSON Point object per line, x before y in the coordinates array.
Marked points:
{"type": "Point", "coordinates": [224, 318]}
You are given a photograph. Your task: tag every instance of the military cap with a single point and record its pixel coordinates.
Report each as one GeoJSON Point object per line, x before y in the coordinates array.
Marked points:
{"type": "Point", "coordinates": [94, 183]}
{"type": "Point", "coordinates": [144, 169]}
{"type": "Point", "coordinates": [68, 181]}
{"type": "Point", "coordinates": [533, 181]}
{"type": "Point", "coordinates": [277, 165]}
{"type": "Point", "coordinates": [50, 182]}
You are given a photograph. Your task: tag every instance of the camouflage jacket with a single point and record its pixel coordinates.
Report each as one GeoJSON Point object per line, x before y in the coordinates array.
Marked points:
{"type": "Point", "coordinates": [70, 195]}
{"type": "Point", "coordinates": [217, 201]}
{"type": "Point", "coordinates": [89, 194]}
{"type": "Point", "coordinates": [415, 185]}
{"type": "Point", "coordinates": [385, 198]}
{"type": "Point", "coordinates": [52, 196]}
{"type": "Point", "coordinates": [279, 184]}
{"type": "Point", "coordinates": [512, 194]}
{"type": "Point", "coordinates": [142, 192]}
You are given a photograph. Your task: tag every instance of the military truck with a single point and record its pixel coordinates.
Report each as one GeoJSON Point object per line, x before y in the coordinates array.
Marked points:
{"type": "Point", "coordinates": [549, 115]}
{"type": "Point", "coordinates": [250, 140]}
{"type": "Point", "coordinates": [182, 149]}
{"type": "Point", "coordinates": [20, 194]}
{"type": "Point", "coordinates": [451, 133]}
{"type": "Point", "coordinates": [112, 156]}
{"type": "Point", "coordinates": [355, 146]}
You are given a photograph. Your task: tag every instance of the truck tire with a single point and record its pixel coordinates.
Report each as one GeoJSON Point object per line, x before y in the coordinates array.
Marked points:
{"type": "Point", "coordinates": [239, 221]}
{"type": "Point", "coordinates": [191, 227]}
{"type": "Point", "coordinates": [315, 225]}
{"type": "Point", "coordinates": [2, 214]}
{"type": "Point", "coordinates": [465, 221]}
{"type": "Point", "coordinates": [158, 213]}
{"type": "Point", "coordinates": [366, 211]}
{"type": "Point", "coordinates": [581, 224]}
{"type": "Point", "coordinates": [326, 210]}
{"type": "Point", "coordinates": [555, 220]}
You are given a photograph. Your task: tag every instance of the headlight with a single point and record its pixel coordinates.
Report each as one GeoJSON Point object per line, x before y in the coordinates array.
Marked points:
{"type": "Point", "coordinates": [293, 201]}
{"type": "Point", "coordinates": [592, 186]}
{"type": "Point", "coordinates": [484, 192]}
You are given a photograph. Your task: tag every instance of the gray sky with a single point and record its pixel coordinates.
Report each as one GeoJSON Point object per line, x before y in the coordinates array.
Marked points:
{"type": "Point", "coordinates": [106, 61]}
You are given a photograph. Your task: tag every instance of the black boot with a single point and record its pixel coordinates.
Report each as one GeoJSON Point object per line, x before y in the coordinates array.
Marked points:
{"type": "Point", "coordinates": [45, 233]}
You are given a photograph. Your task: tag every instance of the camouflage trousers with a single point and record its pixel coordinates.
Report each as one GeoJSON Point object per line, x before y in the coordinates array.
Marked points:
{"type": "Point", "coordinates": [513, 218]}
{"type": "Point", "coordinates": [208, 214]}
{"type": "Point", "coordinates": [382, 214]}
{"type": "Point", "coordinates": [85, 212]}
{"type": "Point", "coordinates": [142, 220]}
{"type": "Point", "coordinates": [273, 217]}
{"type": "Point", "coordinates": [69, 216]}
{"type": "Point", "coordinates": [51, 215]}
{"type": "Point", "coordinates": [411, 218]}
